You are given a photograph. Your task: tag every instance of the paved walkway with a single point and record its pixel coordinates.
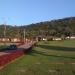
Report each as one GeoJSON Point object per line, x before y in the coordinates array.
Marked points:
{"type": "Point", "coordinates": [24, 46]}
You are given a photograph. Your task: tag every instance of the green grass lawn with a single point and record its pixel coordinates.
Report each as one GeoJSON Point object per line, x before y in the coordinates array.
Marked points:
{"type": "Point", "coordinates": [47, 58]}
{"type": "Point", "coordinates": [3, 47]}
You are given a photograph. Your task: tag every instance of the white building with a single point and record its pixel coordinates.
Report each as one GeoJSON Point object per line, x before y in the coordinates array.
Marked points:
{"type": "Point", "coordinates": [57, 39]}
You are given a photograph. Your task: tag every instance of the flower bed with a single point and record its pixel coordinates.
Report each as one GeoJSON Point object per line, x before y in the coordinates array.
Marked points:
{"type": "Point", "coordinates": [5, 59]}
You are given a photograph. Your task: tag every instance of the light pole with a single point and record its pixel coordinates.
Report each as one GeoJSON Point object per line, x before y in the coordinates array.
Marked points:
{"type": "Point", "coordinates": [24, 35]}
{"type": "Point", "coordinates": [4, 31]}
{"type": "Point", "coordinates": [4, 27]}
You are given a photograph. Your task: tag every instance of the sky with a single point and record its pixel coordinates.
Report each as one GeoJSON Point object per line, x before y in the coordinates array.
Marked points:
{"type": "Point", "coordinates": [25, 12]}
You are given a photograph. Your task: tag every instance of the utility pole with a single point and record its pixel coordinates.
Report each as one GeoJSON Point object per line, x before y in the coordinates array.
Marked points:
{"type": "Point", "coordinates": [4, 24]}
{"type": "Point", "coordinates": [4, 31]}
{"type": "Point", "coordinates": [24, 35]}
{"type": "Point", "coordinates": [4, 27]}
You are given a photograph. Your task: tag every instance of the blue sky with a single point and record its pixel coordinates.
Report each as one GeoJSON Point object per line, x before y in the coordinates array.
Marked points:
{"type": "Point", "coordinates": [24, 12]}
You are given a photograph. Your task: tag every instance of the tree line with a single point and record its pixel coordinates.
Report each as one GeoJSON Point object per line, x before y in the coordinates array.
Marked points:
{"type": "Point", "coordinates": [55, 28]}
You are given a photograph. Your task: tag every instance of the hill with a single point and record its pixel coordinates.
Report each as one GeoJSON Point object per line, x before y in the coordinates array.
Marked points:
{"type": "Point", "coordinates": [56, 28]}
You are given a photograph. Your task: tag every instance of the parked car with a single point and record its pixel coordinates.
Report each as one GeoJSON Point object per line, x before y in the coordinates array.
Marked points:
{"type": "Point", "coordinates": [12, 47]}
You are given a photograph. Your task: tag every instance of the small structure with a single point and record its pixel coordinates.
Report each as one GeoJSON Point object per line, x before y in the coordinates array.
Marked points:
{"type": "Point", "coordinates": [40, 38]}
{"type": "Point", "coordinates": [4, 39]}
{"type": "Point", "coordinates": [15, 40]}
{"type": "Point", "coordinates": [43, 38]}
{"type": "Point", "coordinates": [71, 37]}
{"type": "Point", "coordinates": [57, 39]}
{"type": "Point", "coordinates": [9, 40]}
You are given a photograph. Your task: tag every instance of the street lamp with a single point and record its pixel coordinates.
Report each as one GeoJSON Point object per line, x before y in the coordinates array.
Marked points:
{"type": "Point", "coordinates": [24, 35]}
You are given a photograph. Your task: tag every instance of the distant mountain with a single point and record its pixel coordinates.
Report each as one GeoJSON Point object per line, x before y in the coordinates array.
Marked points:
{"type": "Point", "coordinates": [56, 28]}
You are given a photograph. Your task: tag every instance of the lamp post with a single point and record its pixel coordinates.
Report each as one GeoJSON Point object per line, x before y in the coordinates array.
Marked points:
{"type": "Point", "coordinates": [24, 35]}
{"type": "Point", "coordinates": [4, 27]}
{"type": "Point", "coordinates": [4, 31]}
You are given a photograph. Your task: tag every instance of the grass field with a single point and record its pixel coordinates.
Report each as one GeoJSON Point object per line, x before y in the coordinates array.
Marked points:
{"type": "Point", "coordinates": [47, 58]}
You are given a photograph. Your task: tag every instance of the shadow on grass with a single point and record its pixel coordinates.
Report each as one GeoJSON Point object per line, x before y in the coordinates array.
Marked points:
{"type": "Point", "coordinates": [35, 52]}
{"type": "Point", "coordinates": [58, 48]}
